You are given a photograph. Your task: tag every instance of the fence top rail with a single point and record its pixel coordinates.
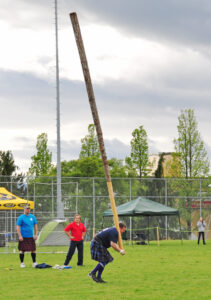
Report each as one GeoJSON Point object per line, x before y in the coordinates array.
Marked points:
{"type": "Point", "coordinates": [103, 178]}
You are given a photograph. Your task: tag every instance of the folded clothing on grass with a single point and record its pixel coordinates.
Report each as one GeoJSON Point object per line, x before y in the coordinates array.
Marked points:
{"type": "Point", "coordinates": [43, 266]}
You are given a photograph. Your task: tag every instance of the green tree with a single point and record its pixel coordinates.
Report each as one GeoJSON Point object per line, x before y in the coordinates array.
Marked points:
{"type": "Point", "coordinates": [193, 156]}
{"type": "Point", "coordinates": [193, 159]}
{"type": "Point", "coordinates": [159, 173]}
{"type": "Point", "coordinates": [84, 167]}
{"type": "Point", "coordinates": [89, 167]}
{"type": "Point", "coordinates": [89, 144]}
{"type": "Point", "coordinates": [139, 152]}
{"type": "Point", "coordinates": [7, 163]}
{"type": "Point", "coordinates": [41, 162]}
{"type": "Point", "coordinates": [117, 168]}
{"type": "Point", "coordinates": [173, 166]}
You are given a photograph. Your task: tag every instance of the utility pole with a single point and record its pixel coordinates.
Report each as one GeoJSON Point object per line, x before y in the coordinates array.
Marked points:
{"type": "Point", "coordinates": [60, 207]}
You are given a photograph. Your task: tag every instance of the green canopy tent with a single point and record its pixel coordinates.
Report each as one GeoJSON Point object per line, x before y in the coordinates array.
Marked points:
{"type": "Point", "coordinates": [143, 207]}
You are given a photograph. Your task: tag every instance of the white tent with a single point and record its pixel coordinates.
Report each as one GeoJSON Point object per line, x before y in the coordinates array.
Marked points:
{"type": "Point", "coordinates": [52, 234]}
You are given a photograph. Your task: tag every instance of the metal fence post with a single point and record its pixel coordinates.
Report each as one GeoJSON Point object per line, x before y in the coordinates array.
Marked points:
{"type": "Point", "coordinates": [27, 191]}
{"type": "Point", "coordinates": [166, 203]}
{"type": "Point", "coordinates": [6, 231]}
{"type": "Point", "coordinates": [52, 198]}
{"type": "Point", "coordinates": [130, 217]}
{"type": "Point", "coordinates": [11, 215]}
{"type": "Point", "coordinates": [93, 204]}
{"type": "Point", "coordinates": [200, 196]}
{"type": "Point", "coordinates": [76, 202]}
{"type": "Point", "coordinates": [34, 198]}
{"type": "Point", "coordinates": [11, 184]}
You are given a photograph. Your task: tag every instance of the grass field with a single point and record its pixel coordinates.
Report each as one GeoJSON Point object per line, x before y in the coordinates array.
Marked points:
{"type": "Point", "coordinates": [169, 271]}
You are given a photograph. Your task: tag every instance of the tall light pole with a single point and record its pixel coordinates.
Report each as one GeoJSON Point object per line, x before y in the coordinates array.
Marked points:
{"type": "Point", "coordinates": [60, 207]}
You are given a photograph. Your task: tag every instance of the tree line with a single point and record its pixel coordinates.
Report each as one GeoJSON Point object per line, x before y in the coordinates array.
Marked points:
{"type": "Point", "coordinates": [189, 159]}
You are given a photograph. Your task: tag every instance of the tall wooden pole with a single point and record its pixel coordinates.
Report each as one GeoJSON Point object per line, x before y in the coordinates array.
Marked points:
{"type": "Point", "coordinates": [90, 91]}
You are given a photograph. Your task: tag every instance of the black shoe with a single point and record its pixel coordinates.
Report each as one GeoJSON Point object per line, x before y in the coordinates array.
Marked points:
{"type": "Point", "coordinates": [93, 276]}
{"type": "Point", "coordinates": [101, 280]}
{"type": "Point", "coordinates": [81, 265]}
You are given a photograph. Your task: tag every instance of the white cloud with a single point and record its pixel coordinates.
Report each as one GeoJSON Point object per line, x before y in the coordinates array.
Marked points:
{"type": "Point", "coordinates": [27, 50]}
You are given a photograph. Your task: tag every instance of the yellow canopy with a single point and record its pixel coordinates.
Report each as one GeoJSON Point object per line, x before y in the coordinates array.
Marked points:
{"type": "Point", "coordinates": [10, 201]}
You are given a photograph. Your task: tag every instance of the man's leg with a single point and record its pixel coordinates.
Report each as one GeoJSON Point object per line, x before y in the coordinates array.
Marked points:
{"type": "Point", "coordinates": [100, 271]}
{"type": "Point", "coordinates": [21, 255]}
{"type": "Point", "coordinates": [92, 274]}
{"type": "Point", "coordinates": [80, 248]}
{"type": "Point", "coordinates": [33, 255]}
{"type": "Point", "coordinates": [70, 253]}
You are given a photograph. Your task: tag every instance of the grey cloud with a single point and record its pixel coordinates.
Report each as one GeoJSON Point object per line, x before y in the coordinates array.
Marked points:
{"type": "Point", "coordinates": [119, 103]}
{"type": "Point", "coordinates": [131, 99]}
{"type": "Point", "coordinates": [22, 139]}
{"type": "Point", "coordinates": [71, 149]}
{"type": "Point", "coordinates": [27, 100]}
{"type": "Point", "coordinates": [186, 22]}
{"type": "Point", "coordinates": [30, 101]}
{"type": "Point", "coordinates": [22, 155]}
{"type": "Point", "coordinates": [175, 21]}
{"type": "Point", "coordinates": [117, 149]}
{"type": "Point", "coordinates": [152, 147]}
{"type": "Point", "coordinates": [208, 149]}
{"type": "Point", "coordinates": [28, 14]}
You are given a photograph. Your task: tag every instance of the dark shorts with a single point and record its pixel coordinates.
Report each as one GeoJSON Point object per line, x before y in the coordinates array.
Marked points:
{"type": "Point", "coordinates": [100, 253]}
{"type": "Point", "coordinates": [27, 245]}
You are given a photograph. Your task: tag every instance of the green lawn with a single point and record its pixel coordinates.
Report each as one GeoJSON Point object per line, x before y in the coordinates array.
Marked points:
{"type": "Point", "coordinates": [169, 271]}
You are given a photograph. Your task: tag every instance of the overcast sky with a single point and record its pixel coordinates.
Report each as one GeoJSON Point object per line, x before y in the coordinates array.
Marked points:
{"type": "Point", "coordinates": [148, 60]}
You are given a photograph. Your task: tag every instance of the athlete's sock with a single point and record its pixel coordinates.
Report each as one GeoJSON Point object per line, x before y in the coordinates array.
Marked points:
{"type": "Point", "coordinates": [100, 270]}
{"type": "Point", "coordinates": [33, 255]}
{"type": "Point", "coordinates": [21, 257]}
{"type": "Point", "coordinates": [95, 269]}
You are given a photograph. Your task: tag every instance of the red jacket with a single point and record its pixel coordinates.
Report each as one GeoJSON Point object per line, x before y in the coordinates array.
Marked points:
{"type": "Point", "coordinates": [76, 231]}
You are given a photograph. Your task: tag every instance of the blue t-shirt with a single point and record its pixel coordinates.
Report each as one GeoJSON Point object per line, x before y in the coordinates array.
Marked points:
{"type": "Point", "coordinates": [26, 224]}
{"type": "Point", "coordinates": [107, 236]}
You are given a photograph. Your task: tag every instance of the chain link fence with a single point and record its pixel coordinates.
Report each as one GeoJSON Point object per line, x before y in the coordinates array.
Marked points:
{"type": "Point", "coordinates": [89, 197]}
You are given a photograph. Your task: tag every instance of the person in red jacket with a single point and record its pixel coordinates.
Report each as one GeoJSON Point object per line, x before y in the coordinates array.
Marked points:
{"type": "Point", "coordinates": [76, 232]}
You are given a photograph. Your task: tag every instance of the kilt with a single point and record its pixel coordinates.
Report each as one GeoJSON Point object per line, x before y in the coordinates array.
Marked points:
{"type": "Point", "coordinates": [100, 253]}
{"type": "Point", "coordinates": [28, 244]}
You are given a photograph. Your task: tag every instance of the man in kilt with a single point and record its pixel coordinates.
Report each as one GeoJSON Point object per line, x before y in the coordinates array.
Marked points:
{"type": "Point", "coordinates": [27, 233]}
{"type": "Point", "coordinates": [99, 245]}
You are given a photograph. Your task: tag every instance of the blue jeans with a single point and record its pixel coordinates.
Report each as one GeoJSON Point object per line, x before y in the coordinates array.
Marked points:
{"type": "Point", "coordinates": [73, 245]}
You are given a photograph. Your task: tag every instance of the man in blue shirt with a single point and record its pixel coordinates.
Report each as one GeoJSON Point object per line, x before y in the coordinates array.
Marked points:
{"type": "Point", "coordinates": [99, 245]}
{"type": "Point", "coordinates": [27, 233]}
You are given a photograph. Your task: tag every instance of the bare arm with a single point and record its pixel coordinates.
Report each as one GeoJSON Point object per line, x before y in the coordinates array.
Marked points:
{"type": "Point", "coordinates": [116, 248]}
{"type": "Point", "coordinates": [35, 231]}
{"type": "Point", "coordinates": [83, 234]}
{"type": "Point", "coordinates": [19, 233]}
